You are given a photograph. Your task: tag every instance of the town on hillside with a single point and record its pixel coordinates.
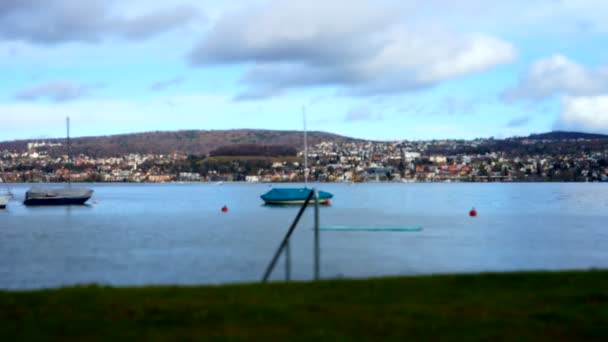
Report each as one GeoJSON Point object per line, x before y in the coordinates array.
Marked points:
{"type": "Point", "coordinates": [549, 157]}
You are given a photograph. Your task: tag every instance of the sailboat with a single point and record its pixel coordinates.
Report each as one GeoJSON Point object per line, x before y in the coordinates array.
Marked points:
{"type": "Point", "coordinates": [4, 198]}
{"type": "Point", "coordinates": [58, 196]}
{"type": "Point", "coordinates": [282, 196]}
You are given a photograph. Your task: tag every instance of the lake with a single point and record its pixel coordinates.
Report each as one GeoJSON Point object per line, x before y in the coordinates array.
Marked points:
{"type": "Point", "coordinates": [140, 234]}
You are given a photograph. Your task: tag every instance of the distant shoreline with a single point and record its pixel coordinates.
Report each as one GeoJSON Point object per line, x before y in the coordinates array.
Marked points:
{"type": "Point", "coordinates": [312, 182]}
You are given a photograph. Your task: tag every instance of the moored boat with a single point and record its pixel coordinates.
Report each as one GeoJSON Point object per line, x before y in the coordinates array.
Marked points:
{"type": "Point", "coordinates": [61, 196]}
{"type": "Point", "coordinates": [4, 200]}
{"type": "Point", "coordinates": [283, 196]}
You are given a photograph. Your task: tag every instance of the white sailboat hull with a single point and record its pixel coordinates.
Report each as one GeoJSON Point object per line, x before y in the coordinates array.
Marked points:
{"type": "Point", "coordinates": [4, 200]}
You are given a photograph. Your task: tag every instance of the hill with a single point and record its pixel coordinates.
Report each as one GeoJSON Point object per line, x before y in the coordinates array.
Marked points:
{"type": "Point", "coordinates": [271, 143]}
{"type": "Point", "coordinates": [197, 142]}
{"type": "Point", "coordinates": [562, 135]}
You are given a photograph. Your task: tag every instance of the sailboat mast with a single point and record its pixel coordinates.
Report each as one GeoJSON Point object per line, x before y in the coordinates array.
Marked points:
{"type": "Point", "coordinates": [67, 122]}
{"type": "Point", "coordinates": [305, 147]}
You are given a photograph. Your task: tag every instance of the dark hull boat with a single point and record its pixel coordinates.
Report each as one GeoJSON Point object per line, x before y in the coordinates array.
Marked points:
{"type": "Point", "coordinates": [283, 196]}
{"type": "Point", "coordinates": [68, 196]}
{"type": "Point", "coordinates": [60, 196]}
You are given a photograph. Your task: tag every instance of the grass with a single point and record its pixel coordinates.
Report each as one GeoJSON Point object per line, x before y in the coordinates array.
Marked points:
{"type": "Point", "coordinates": [510, 306]}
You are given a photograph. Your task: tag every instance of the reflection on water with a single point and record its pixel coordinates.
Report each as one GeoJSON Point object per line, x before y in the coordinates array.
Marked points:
{"type": "Point", "coordinates": [134, 234]}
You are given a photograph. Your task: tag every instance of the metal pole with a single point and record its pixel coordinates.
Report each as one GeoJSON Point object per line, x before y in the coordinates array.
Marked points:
{"type": "Point", "coordinates": [287, 262]}
{"type": "Point", "coordinates": [67, 123]}
{"type": "Point", "coordinates": [317, 249]}
{"type": "Point", "coordinates": [305, 147]}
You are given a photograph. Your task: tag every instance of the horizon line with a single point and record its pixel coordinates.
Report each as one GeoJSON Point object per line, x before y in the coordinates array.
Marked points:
{"type": "Point", "coordinates": [294, 131]}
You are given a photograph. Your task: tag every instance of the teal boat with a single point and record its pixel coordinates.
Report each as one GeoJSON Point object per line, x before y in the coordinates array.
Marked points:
{"type": "Point", "coordinates": [282, 196]}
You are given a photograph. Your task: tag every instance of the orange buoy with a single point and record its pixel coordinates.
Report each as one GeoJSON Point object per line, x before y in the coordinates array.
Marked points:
{"type": "Point", "coordinates": [224, 209]}
{"type": "Point", "coordinates": [473, 213]}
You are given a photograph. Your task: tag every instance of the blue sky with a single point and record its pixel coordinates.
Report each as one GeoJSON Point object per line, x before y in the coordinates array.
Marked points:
{"type": "Point", "coordinates": [383, 70]}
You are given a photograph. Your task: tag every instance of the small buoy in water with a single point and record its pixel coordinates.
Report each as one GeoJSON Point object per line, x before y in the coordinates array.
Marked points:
{"type": "Point", "coordinates": [224, 209]}
{"type": "Point", "coordinates": [473, 212]}
{"type": "Point", "coordinates": [95, 202]}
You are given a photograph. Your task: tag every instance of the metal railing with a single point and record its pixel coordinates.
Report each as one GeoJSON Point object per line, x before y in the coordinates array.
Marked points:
{"type": "Point", "coordinates": [284, 246]}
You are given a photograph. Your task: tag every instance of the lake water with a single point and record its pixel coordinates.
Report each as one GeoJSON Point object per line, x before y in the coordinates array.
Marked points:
{"type": "Point", "coordinates": [136, 234]}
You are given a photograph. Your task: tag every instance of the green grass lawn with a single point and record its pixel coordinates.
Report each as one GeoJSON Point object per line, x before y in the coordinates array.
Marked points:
{"type": "Point", "coordinates": [511, 306]}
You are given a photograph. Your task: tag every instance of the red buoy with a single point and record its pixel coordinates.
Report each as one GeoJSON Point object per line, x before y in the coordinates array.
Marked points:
{"type": "Point", "coordinates": [473, 212]}
{"type": "Point", "coordinates": [224, 209]}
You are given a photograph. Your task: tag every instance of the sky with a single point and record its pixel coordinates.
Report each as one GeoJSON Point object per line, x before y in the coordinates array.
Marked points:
{"type": "Point", "coordinates": [382, 70]}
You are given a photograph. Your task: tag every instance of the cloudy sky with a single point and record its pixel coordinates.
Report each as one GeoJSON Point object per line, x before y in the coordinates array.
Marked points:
{"type": "Point", "coordinates": [403, 69]}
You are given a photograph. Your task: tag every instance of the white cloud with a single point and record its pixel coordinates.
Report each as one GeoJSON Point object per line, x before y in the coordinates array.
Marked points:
{"type": "Point", "coordinates": [158, 21]}
{"type": "Point", "coordinates": [582, 90]}
{"type": "Point", "coordinates": [57, 21]}
{"type": "Point", "coordinates": [586, 113]}
{"type": "Point", "coordinates": [360, 113]}
{"type": "Point", "coordinates": [363, 47]}
{"type": "Point", "coordinates": [558, 75]}
{"type": "Point", "coordinates": [56, 91]}
{"type": "Point", "coordinates": [469, 54]}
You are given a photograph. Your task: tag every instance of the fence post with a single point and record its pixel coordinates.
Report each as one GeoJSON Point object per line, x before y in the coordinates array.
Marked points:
{"type": "Point", "coordinates": [287, 262]}
{"type": "Point", "coordinates": [317, 248]}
